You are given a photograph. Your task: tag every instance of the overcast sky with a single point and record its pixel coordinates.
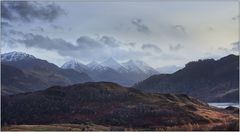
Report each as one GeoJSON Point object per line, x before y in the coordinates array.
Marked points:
{"type": "Point", "coordinates": [159, 33]}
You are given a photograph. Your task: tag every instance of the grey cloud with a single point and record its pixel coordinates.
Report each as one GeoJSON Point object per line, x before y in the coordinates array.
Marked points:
{"type": "Point", "coordinates": [210, 29]}
{"type": "Point", "coordinates": [5, 24]}
{"type": "Point", "coordinates": [175, 48]}
{"type": "Point", "coordinates": [140, 26]}
{"type": "Point", "coordinates": [223, 49]}
{"type": "Point", "coordinates": [28, 11]}
{"type": "Point", "coordinates": [168, 57]}
{"type": "Point", "coordinates": [61, 46]}
{"type": "Point", "coordinates": [151, 47]}
{"type": "Point", "coordinates": [235, 17]}
{"type": "Point", "coordinates": [87, 42]}
{"type": "Point", "coordinates": [179, 28]}
{"type": "Point", "coordinates": [85, 48]}
{"type": "Point", "coordinates": [109, 41]}
{"type": "Point", "coordinates": [18, 33]}
{"type": "Point", "coordinates": [169, 69]}
{"type": "Point", "coordinates": [56, 27]}
{"type": "Point", "coordinates": [211, 55]}
{"type": "Point", "coordinates": [177, 32]}
{"type": "Point", "coordinates": [132, 44]}
{"type": "Point", "coordinates": [44, 42]}
{"type": "Point", "coordinates": [39, 41]}
{"type": "Point", "coordinates": [38, 29]}
{"type": "Point", "coordinates": [236, 46]}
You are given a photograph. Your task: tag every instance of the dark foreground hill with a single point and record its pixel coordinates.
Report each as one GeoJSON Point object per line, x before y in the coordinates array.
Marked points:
{"type": "Point", "coordinates": [209, 80]}
{"type": "Point", "coordinates": [113, 107]}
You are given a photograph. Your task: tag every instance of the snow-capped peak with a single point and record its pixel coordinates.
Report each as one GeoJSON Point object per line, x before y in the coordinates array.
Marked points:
{"type": "Point", "coordinates": [16, 56]}
{"type": "Point", "coordinates": [74, 64]}
{"type": "Point", "coordinates": [143, 67]}
{"type": "Point", "coordinates": [92, 64]}
{"type": "Point", "coordinates": [95, 66]}
{"type": "Point", "coordinates": [132, 67]}
{"type": "Point", "coordinates": [112, 63]}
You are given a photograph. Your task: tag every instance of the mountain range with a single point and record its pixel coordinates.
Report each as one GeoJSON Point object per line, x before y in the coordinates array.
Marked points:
{"type": "Point", "coordinates": [209, 80]}
{"type": "Point", "coordinates": [31, 74]}
{"type": "Point", "coordinates": [115, 107]}
{"type": "Point", "coordinates": [110, 70]}
{"type": "Point", "coordinates": [35, 91]}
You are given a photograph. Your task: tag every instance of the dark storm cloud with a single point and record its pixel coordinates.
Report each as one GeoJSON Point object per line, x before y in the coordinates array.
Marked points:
{"type": "Point", "coordinates": [151, 47]}
{"type": "Point", "coordinates": [140, 26]}
{"type": "Point", "coordinates": [175, 47]}
{"type": "Point", "coordinates": [109, 41]}
{"type": "Point", "coordinates": [28, 11]}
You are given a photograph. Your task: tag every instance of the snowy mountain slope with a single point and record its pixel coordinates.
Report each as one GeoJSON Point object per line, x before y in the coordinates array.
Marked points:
{"type": "Point", "coordinates": [95, 66]}
{"type": "Point", "coordinates": [74, 64]}
{"type": "Point", "coordinates": [15, 56]}
{"type": "Point", "coordinates": [111, 63]}
{"type": "Point", "coordinates": [132, 67]}
{"type": "Point", "coordinates": [136, 64]}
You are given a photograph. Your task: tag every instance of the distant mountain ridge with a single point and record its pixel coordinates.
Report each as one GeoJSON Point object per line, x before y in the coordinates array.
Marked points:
{"type": "Point", "coordinates": [126, 73]}
{"type": "Point", "coordinates": [25, 73]}
{"type": "Point", "coordinates": [128, 66]}
{"type": "Point", "coordinates": [74, 64]}
{"type": "Point", "coordinates": [112, 63]}
{"type": "Point", "coordinates": [47, 74]}
{"type": "Point", "coordinates": [209, 80]}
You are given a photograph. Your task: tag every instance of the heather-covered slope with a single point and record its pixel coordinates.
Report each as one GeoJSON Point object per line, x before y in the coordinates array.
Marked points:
{"type": "Point", "coordinates": [111, 105]}
{"type": "Point", "coordinates": [209, 80]}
